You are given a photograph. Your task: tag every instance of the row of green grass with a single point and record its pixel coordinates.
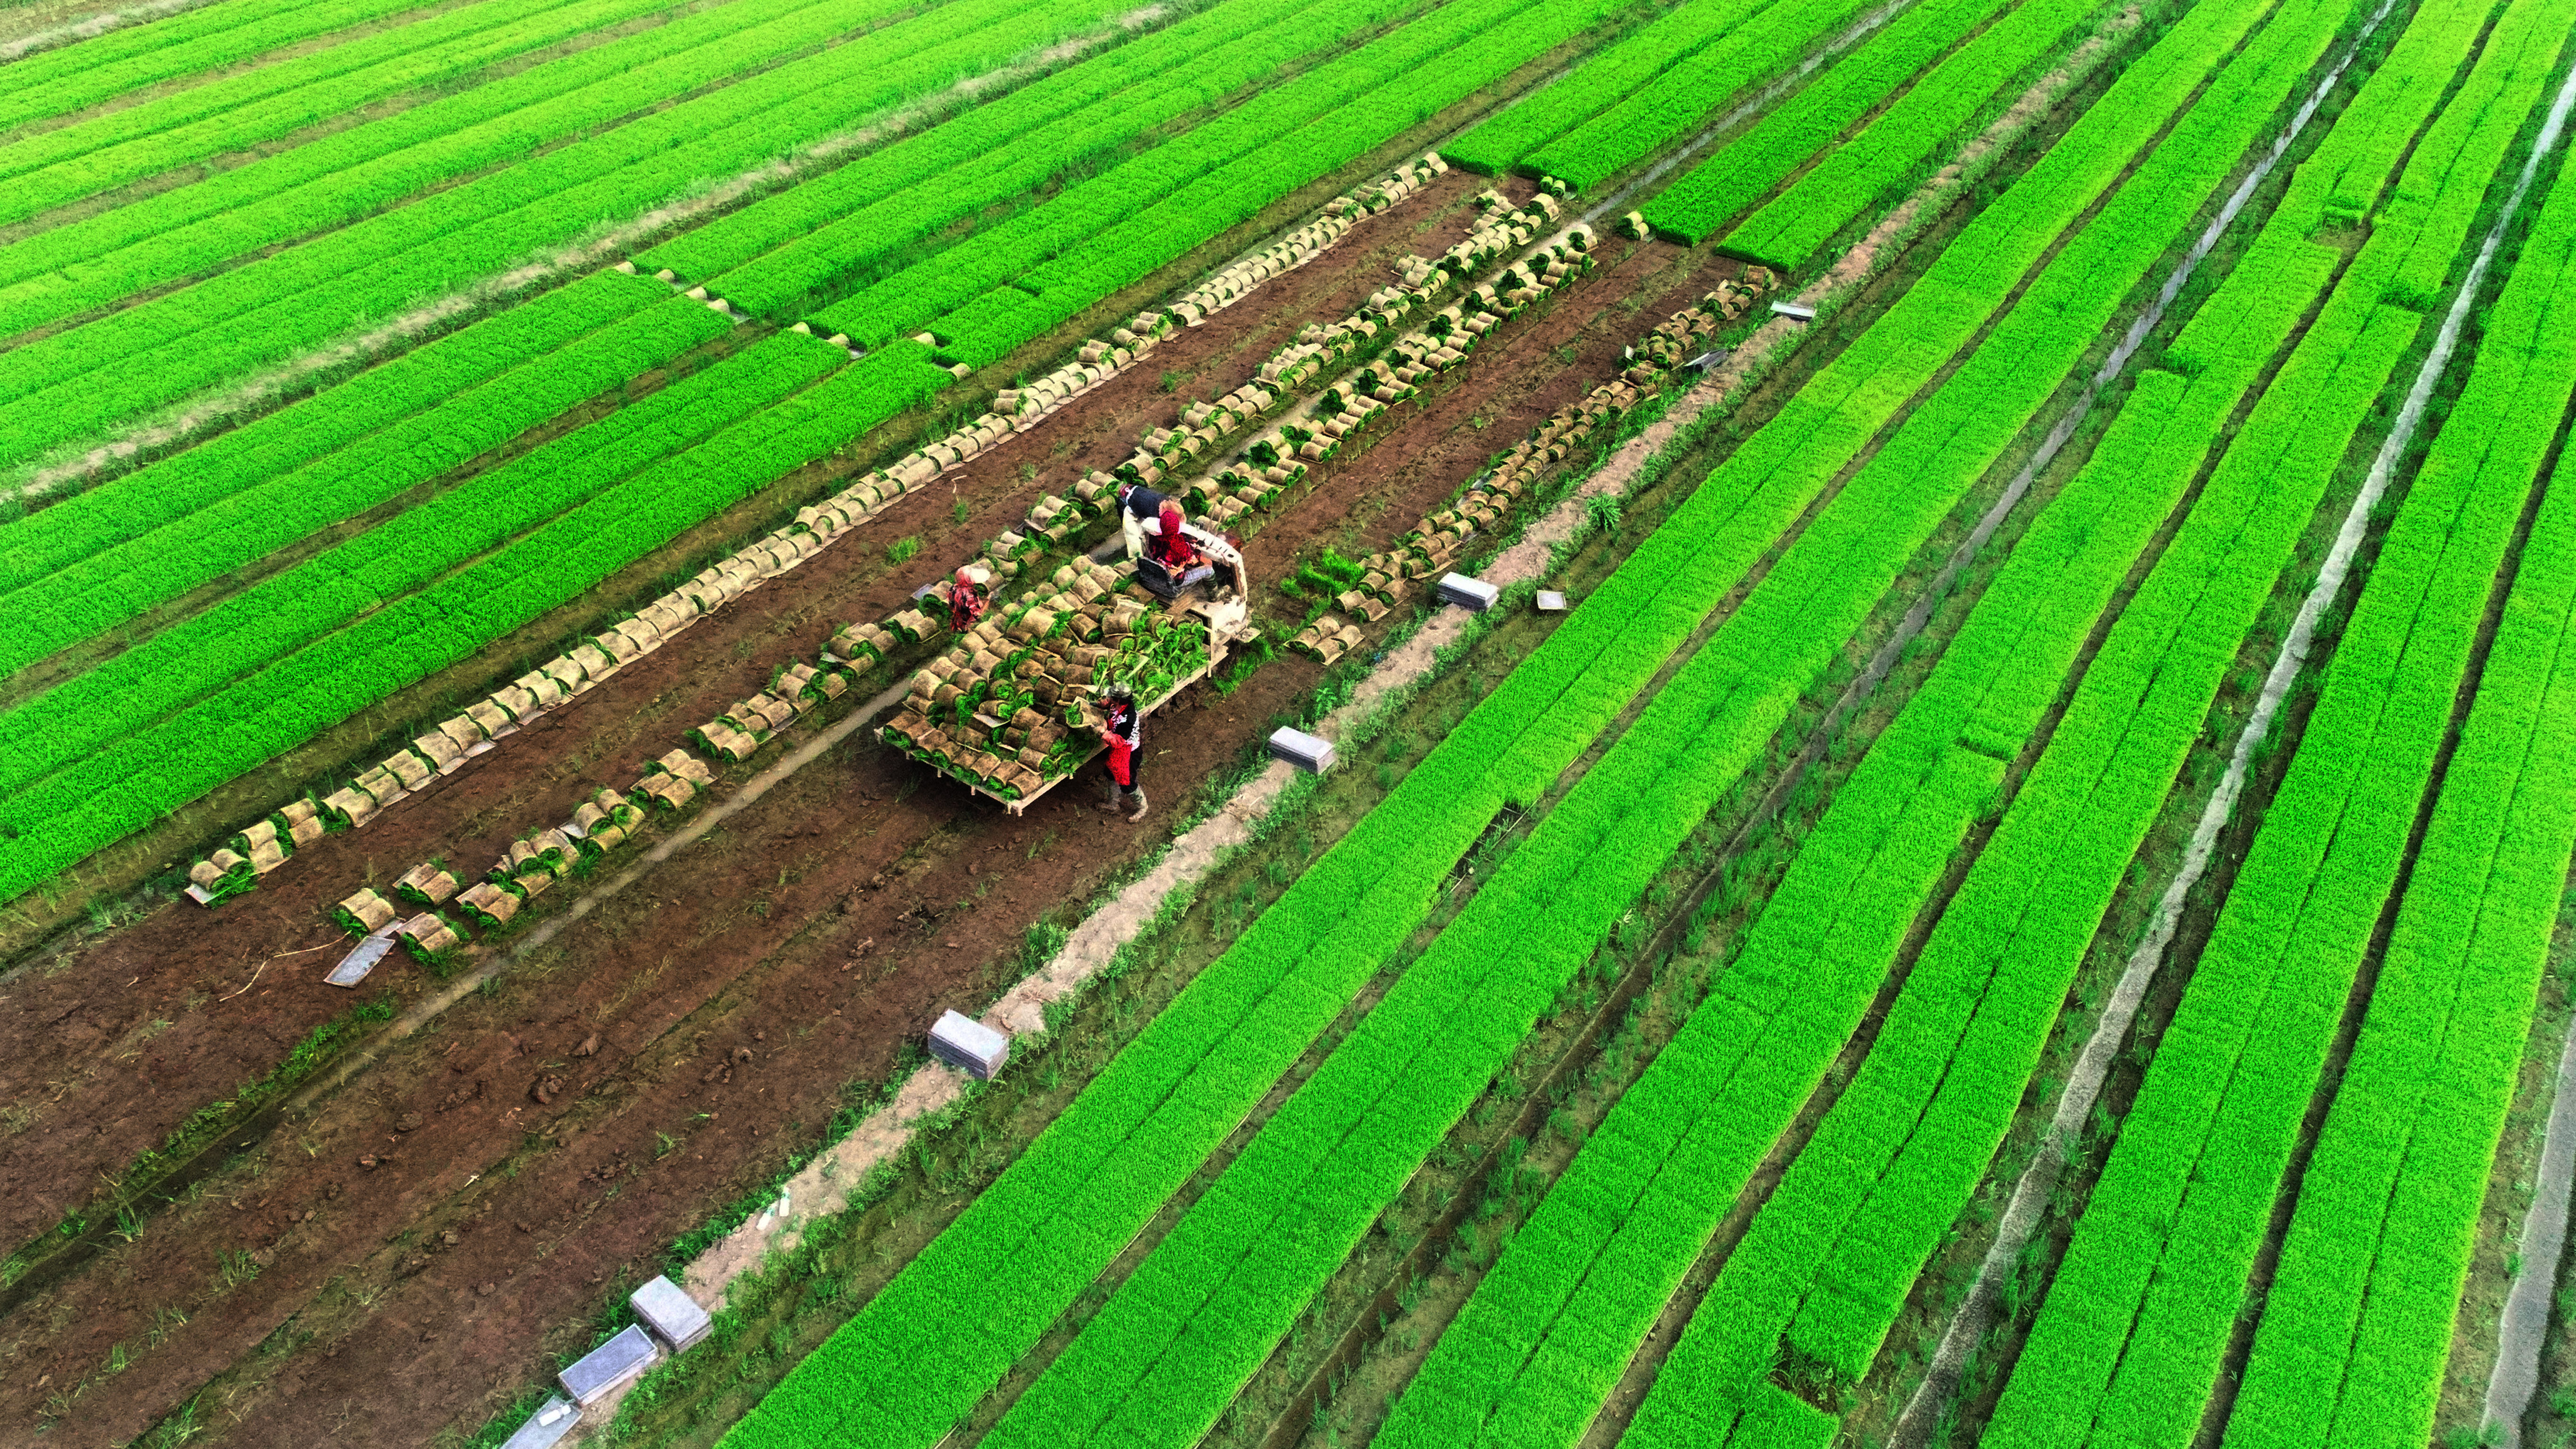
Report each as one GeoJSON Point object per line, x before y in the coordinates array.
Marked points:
{"type": "Point", "coordinates": [1575, 1294]}
{"type": "Point", "coordinates": [778, 255]}
{"type": "Point", "coordinates": [1339, 110]}
{"type": "Point", "coordinates": [1828, 1264]}
{"type": "Point", "coordinates": [121, 367]}
{"type": "Point", "coordinates": [242, 111]}
{"type": "Point", "coordinates": [2356, 1326]}
{"type": "Point", "coordinates": [101, 559]}
{"type": "Point", "coordinates": [2129, 1340]}
{"type": "Point", "coordinates": [74, 77]}
{"type": "Point", "coordinates": [1494, 146]}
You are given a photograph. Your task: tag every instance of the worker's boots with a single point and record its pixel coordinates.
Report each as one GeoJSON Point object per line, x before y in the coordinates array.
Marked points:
{"type": "Point", "coordinates": [1109, 804]}
{"type": "Point", "coordinates": [1140, 808]}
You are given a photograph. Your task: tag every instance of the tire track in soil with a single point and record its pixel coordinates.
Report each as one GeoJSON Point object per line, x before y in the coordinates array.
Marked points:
{"type": "Point", "coordinates": [672, 979]}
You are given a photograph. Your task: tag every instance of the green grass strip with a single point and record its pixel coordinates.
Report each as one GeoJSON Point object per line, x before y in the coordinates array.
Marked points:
{"type": "Point", "coordinates": [84, 73]}
{"type": "Point", "coordinates": [1738, 173]}
{"type": "Point", "coordinates": [1579, 1286]}
{"type": "Point", "coordinates": [1440, 57]}
{"type": "Point", "coordinates": [242, 111]}
{"type": "Point", "coordinates": [124, 508]}
{"type": "Point", "coordinates": [1690, 92]}
{"type": "Point", "coordinates": [143, 777]}
{"type": "Point", "coordinates": [1855, 172]}
{"type": "Point", "coordinates": [330, 181]}
{"type": "Point", "coordinates": [781, 254]}
{"type": "Point", "coordinates": [1131, 248]}
{"type": "Point", "coordinates": [1497, 142]}
{"type": "Point", "coordinates": [2356, 1327]}
{"type": "Point", "coordinates": [2130, 1337]}
{"type": "Point", "coordinates": [198, 655]}
{"type": "Point", "coordinates": [152, 536]}
{"type": "Point", "coordinates": [1827, 1264]}
{"type": "Point", "coordinates": [903, 1371]}
{"type": "Point", "coordinates": [288, 303]}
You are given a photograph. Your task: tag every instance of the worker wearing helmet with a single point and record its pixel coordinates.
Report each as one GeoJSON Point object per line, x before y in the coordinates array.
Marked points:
{"type": "Point", "coordinates": [1123, 731]}
{"type": "Point", "coordinates": [968, 596]}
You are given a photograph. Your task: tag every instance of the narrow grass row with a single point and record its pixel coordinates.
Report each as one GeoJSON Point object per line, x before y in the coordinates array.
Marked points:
{"type": "Point", "coordinates": [1129, 250]}
{"type": "Point", "coordinates": [1367, 96]}
{"type": "Point", "coordinates": [1692, 91]}
{"type": "Point", "coordinates": [1554, 1327]}
{"type": "Point", "coordinates": [1738, 173]}
{"type": "Point", "coordinates": [126, 508]}
{"type": "Point", "coordinates": [1497, 144]}
{"type": "Point", "coordinates": [143, 776]}
{"type": "Point", "coordinates": [903, 1371]}
{"type": "Point", "coordinates": [152, 354]}
{"type": "Point", "coordinates": [587, 339]}
{"type": "Point", "coordinates": [197, 655]}
{"type": "Point", "coordinates": [72, 77]}
{"type": "Point", "coordinates": [347, 176]}
{"type": "Point", "coordinates": [2137, 1319]}
{"type": "Point", "coordinates": [2356, 1326]}
{"type": "Point", "coordinates": [1579, 1286]}
{"type": "Point", "coordinates": [781, 254]}
{"type": "Point", "coordinates": [241, 111]}
{"type": "Point", "coordinates": [1850, 176]}
{"type": "Point", "coordinates": [2357, 1322]}
{"type": "Point", "coordinates": [1826, 1267]}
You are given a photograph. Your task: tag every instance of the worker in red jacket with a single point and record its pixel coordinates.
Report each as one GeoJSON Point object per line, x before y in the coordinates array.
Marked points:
{"type": "Point", "coordinates": [1140, 511]}
{"type": "Point", "coordinates": [1124, 734]}
{"type": "Point", "coordinates": [1172, 548]}
{"type": "Point", "coordinates": [967, 597]}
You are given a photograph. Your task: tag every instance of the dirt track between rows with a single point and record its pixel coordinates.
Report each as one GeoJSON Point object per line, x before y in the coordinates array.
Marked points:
{"type": "Point", "coordinates": [814, 934]}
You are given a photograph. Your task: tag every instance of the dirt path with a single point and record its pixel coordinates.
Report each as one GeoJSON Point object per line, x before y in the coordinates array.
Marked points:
{"type": "Point", "coordinates": [749, 942]}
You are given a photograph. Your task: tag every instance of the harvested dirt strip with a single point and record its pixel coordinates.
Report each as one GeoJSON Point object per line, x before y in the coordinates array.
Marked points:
{"type": "Point", "coordinates": [825, 1185]}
